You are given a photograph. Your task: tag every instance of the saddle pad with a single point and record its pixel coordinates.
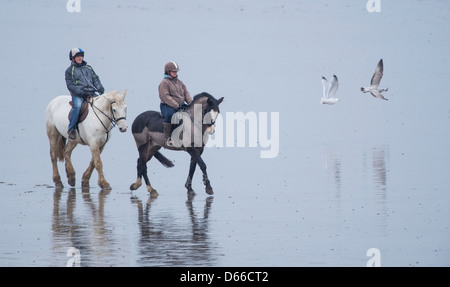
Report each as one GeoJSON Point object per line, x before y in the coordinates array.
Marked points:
{"type": "Point", "coordinates": [83, 113]}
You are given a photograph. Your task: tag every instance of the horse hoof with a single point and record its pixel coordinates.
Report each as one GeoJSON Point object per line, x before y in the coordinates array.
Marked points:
{"type": "Point", "coordinates": [71, 182]}
{"type": "Point", "coordinates": [209, 191]}
{"type": "Point", "coordinates": [191, 193]}
{"type": "Point", "coordinates": [136, 185]}
{"type": "Point", "coordinates": [59, 185]}
{"type": "Point", "coordinates": [154, 194]}
{"type": "Point", "coordinates": [152, 191]}
{"type": "Point", "coordinates": [85, 185]}
{"type": "Point", "coordinates": [106, 187]}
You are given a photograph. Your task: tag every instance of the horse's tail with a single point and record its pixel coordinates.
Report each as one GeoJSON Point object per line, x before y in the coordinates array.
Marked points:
{"type": "Point", "coordinates": [60, 146]}
{"type": "Point", "coordinates": [164, 160]}
{"type": "Point", "coordinates": [57, 143]}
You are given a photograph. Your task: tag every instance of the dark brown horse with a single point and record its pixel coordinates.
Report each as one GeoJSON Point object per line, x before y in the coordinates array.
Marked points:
{"type": "Point", "coordinates": [192, 125]}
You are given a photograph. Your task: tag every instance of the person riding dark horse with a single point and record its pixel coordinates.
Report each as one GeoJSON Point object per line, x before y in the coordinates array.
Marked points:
{"type": "Point", "coordinates": [82, 82]}
{"type": "Point", "coordinates": [198, 122]}
{"type": "Point", "coordinates": [173, 95]}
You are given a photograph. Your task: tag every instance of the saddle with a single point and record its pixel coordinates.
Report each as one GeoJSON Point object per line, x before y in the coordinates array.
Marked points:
{"type": "Point", "coordinates": [83, 112]}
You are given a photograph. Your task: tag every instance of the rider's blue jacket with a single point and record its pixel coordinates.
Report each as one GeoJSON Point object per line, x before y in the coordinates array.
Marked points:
{"type": "Point", "coordinates": [82, 81]}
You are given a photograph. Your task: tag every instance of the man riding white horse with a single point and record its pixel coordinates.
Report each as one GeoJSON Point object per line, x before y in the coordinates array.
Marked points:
{"type": "Point", "coordinates": [82, 82]}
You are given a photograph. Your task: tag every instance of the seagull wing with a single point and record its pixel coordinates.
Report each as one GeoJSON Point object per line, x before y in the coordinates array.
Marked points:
{"type": "Point", "coordinates": [377, 94]}
{"type": "Point", "coordinates": [376, 78]}
{"type": "Point", "coordinates": [334, 87]}
{"type": "Point", "coordinates": [325, 87]}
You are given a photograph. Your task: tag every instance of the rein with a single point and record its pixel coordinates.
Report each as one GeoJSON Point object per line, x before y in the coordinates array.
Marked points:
{"type": "Point", "coordinates": [186, 110]}
{"type": "Point", "coordinates": [112, 120]}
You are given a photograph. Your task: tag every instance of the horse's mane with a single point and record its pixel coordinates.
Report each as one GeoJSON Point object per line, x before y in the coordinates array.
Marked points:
{"type": "Point", "coordinates": [115, 94]}
{"type": "Point", "coordinates": [201, 95]}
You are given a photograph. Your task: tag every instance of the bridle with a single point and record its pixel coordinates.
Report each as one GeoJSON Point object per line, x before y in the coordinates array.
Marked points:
{"type": "Point", "coordinates": [112, 120]}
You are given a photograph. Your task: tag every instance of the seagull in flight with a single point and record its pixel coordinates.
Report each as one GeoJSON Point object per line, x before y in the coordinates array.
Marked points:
{"type": "Point", "coordinates": [329, 90]}
{"type": "Point", "coordinates": [375, 82]}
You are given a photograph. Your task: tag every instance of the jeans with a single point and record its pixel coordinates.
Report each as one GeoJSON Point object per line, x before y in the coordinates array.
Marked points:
{"type": "Point", "coordinates": [77, 102]}
{"type": "Point", "coordinates": [167, 112]}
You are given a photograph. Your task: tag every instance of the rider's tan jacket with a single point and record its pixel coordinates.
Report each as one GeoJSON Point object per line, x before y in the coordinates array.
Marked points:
{"type": "Point", "coordinates": [173, 92]}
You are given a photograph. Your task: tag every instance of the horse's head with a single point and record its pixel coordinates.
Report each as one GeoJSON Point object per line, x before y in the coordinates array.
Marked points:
{"type": "Point", "coordinates": [118, 109]}
{"type": "Point", "coordinates": [210, 110]}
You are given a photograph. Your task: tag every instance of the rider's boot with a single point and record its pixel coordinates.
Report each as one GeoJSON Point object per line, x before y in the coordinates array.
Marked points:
{"type": "Point", "coordinates": [167, 132]}
{"type": "Point", "coordinates": [72, 134]}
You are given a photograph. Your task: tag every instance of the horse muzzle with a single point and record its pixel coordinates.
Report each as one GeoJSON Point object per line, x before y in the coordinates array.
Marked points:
{"type": "Point", "coordinates": [122, 126]}
{"type": "Point", "coordinates": [211, 129]}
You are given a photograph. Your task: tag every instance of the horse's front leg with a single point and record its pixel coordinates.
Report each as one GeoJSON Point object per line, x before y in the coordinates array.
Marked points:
{"type": "Point", "coordinates": [196, 156]}
{"type": "Point", "coordinates": [87, 175]}
{"type": "Point", "coordinates": [99, 167]}
{"type": "Point", "coordinates": [70, 171]}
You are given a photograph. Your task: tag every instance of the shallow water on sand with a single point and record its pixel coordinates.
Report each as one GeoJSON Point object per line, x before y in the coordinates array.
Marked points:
{"type": "Point", "coordinates": [327, 207]}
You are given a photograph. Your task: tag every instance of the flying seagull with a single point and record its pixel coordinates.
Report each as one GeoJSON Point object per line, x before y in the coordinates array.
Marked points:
{"type": "Point", "coordinates": [329, 90]}
{"type": "Point", "coordinates": [375, 82]}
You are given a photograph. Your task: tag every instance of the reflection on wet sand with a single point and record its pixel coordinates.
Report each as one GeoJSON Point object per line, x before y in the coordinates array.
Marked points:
{"type": "Point", "coordinates": [377, 171]}
{"type": "Point", "coordinates": [333, 166]}
{"type": "Point", "coordinates": [379, 168]}
{"type": "Point", "coordinates": [380, 155]}
{"type": "Point", "coordinates": [164, 241]}
{"type": "Point", "coordinates": [88, 232]}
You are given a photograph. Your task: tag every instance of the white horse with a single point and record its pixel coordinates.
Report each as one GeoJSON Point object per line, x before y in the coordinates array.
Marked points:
{"type": "Point", "coordinates": [105, 112]}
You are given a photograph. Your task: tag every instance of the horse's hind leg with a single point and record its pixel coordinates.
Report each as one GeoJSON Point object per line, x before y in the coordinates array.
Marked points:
{"type": "Point", "coordinates": [70, 171]}
{"type": "Point", "coordinates": [57, 144]}
{"type": "Point", "coordinates": [142, 172]}
{"type": "Point", "coordinates": [138, 182]}
{"type": "Point", "coordinates": [143, 168]}
{"type": "Point", "coordinates": [145, 154]}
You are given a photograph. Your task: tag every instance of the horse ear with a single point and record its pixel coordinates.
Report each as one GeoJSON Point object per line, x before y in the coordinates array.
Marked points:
{"type": "Point", "coordinates": [220, 100]}
{"type": "Point", "coordinates": [125, 93]}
